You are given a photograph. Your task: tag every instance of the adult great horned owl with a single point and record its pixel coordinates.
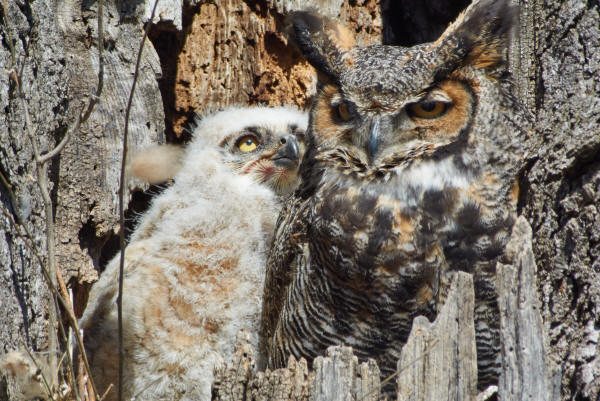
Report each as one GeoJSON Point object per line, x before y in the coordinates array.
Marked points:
{"type": "Point", "coordinates": [409, 174]}
{"type": "Point", "coordinates": [194, 269]}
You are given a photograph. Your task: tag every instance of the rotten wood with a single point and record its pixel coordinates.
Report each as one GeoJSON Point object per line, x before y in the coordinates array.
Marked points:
{"type": "Point", "coordinates": [237, 379]}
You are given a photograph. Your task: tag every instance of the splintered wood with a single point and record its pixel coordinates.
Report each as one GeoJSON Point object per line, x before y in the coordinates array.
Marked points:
{"type": "Point", "coordinates": [238, 380]}
{"type": "Point", "coordinates": [524, 367]}
{"type": "Point", "coordinates": [439, 360]}
{"type": "Point", "coordinates": [338, 376]}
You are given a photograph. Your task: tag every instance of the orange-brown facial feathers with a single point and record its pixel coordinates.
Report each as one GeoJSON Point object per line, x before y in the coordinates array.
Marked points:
{"type": "Point", "coordinates": [411, 130]}
{"type": "Point", "coordinates": [329, 114]}
{"type": "Point", "coordinates": [447, 116]}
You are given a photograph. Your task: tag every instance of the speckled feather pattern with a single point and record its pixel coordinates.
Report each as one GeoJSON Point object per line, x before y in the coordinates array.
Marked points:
{"type": "Point", "coordinates": [194, 269]}
{"type": "Point", "coordinates": [370, 237]}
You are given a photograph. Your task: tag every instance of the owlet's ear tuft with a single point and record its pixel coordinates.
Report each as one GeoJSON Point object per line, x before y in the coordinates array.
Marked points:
{"type": "Point", "coordinates": [321, 40]}
{"type": "Point", "coordinates": [157, 164]}
{"type": "Point", "coordinates": [481, 34]}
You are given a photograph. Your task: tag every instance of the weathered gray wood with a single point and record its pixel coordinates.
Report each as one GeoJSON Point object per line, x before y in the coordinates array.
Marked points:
{"type": "Point", "coordinates": [336, 377]}
{"type": "Point", "coordinates": [87, 172]}
{"type": "Point", "coordinates": [23, 293]}
{"type": "Point", "coordinates": [439, 360]}
{"type": "Point", "coordinates": [232, 379]}
{"type": "Point", "coordinates": [339, 377]}
{"type": "Point", "coordinates": [367, 386]}
{"type": "Point", "coordinates": [292, 383]}
{"type": "Point", "coordinates": [524, 368]}
{"type": "Point", "coordinates": [56, 64]}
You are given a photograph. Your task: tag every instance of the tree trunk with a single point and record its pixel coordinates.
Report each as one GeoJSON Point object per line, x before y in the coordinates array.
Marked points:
{"type": "Point", "coordinates": [204, 55]}
{"type": "Point", "coordinates": [560, 189]}
{"type": "Point", "coordinates": [23, 294]}
{"type": "Point", "coordinates": [49, 49]}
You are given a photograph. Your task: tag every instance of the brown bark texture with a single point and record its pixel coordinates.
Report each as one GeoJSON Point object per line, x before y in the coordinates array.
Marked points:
{"type": "Point", "coordinates": [205, 55]}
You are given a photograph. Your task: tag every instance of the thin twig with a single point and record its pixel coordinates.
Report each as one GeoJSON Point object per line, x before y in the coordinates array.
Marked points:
{"type": "Point", "coordinates": [81, 379]}
{"type": "Point", "coordinates": [110, 386]}
{"type": "Point", "coordinates": [121, 201]}
{"type": "Point", "coordinates": [70, 310]}
{"type": "Point", "coordinates": [70, 366]}
{"type": "Point", "coordinates": [91, 395]}
{"type": "Point", "coordinates": [42, 183]}
{"type": "Point", "coordinates": [11, 45]}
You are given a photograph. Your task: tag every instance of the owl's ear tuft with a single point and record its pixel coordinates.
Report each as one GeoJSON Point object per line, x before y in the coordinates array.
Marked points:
{"type": "Point", "coordinates": [481, 33]}
{"type": "Point", "coordinates": [157, 164]}
{"type": "Point", "coordinates": [321, 40]}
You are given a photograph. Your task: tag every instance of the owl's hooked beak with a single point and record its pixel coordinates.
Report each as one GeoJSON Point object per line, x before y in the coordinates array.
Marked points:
{"type": "Point", "coordinates": [288, 156]}
{"type": "Point", "coordinates": [374, 134]}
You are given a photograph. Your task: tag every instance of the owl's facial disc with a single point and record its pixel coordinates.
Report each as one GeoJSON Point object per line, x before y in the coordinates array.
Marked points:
{"type": "Point", "coordinates": [374, 133]}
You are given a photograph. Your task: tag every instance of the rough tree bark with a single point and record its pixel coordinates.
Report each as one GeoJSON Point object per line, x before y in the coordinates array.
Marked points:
{"type": "Point", "coordinates": [561, 188]}
{"type": "Point", "coordinates": [23, 293]}
{"type": "Point", "coordinates": [206, 55]}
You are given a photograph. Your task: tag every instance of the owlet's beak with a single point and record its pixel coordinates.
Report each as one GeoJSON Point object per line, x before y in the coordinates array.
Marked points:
{"type": "Point", "coordinates": [288, 155]}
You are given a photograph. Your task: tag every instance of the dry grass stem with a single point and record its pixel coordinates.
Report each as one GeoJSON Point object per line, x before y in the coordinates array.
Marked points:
{"type": "Point", "coordinates": [121, 201]}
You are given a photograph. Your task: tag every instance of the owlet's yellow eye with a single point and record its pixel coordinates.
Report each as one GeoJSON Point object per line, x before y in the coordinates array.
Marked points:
{"type": "Point", "coordinates": [247, 143]}
{"type": "Point", "coordinates": [427, 109]}
{"type": "Point", "coordinates": [343, 112]}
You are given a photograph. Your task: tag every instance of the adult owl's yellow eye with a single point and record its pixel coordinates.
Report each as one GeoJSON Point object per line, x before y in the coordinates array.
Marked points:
{"type": "Point", "coordinates": [343, 112]}
{"type": "Point", "coordinates": [428, 109]}
{"type": "Point", "coordinates": [247, 143]}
